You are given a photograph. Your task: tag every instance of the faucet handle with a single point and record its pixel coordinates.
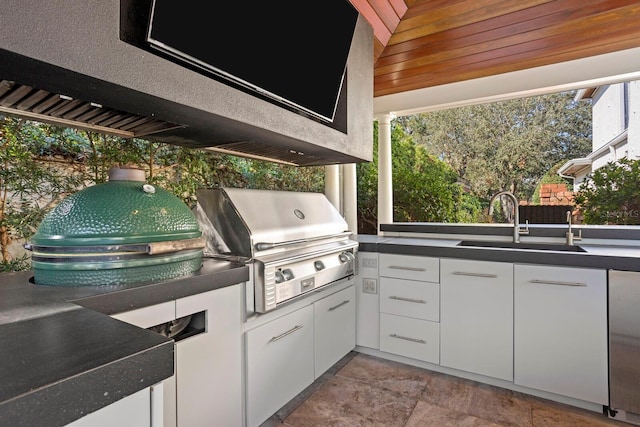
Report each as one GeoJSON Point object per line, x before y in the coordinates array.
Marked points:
{"type": "Point", "coordinates": [526, 228]}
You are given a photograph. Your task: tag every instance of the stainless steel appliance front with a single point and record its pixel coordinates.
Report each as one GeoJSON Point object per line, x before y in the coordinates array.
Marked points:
{"type": "Point", "coordinates": [624, 346]}
{"type": "Point", "coordinates": [280, 280]}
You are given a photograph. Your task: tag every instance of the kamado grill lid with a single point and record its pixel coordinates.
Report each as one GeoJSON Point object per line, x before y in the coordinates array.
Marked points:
{"type": "Point", "coordinates": [120, 232]}
{"type": "Point", "coordinates": [123, 210]}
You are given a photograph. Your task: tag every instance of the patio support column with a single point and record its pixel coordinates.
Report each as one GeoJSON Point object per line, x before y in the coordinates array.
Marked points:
{"type": "Point", "coordinates": [350, 196]}
{"type": "Point", "coordinates": [332, 185]}
{"type": "Point", "coordinates": [385, 182]}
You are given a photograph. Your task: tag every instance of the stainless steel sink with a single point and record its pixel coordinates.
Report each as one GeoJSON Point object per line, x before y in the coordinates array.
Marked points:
{"type": "Point", "coordinates": [522, 246]}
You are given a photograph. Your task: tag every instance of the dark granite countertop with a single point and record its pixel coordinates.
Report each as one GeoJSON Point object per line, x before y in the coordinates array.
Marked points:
{"type": "Point", "coordinates": [596, 255]}
{"type": "Point", "coordinates": [64, 357]}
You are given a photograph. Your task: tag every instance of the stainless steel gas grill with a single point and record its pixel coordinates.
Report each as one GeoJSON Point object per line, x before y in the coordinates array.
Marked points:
{"type": "Point", "coordinates": [296, 242]}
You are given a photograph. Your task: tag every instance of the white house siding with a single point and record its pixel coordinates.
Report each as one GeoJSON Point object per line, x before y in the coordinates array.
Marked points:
{"type": "Point", "coordinates": [634, 120]}
{"type": "Point", "coordinates": [615, 129]}
{"type": "Point", "coordinates": [608, 114]}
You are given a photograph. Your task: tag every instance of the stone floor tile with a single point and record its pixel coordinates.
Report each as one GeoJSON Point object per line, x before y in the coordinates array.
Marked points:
{"type": "Point", "coordinates": [501, 406]}
{"type": "Point", "coordinates": [346, 402]}
{"type": "Point", "coordinates": [552, 414]}
{"type": "Point", "coordinates": [427, 415]}
{"type": "Point", "coordinates": [397, 377]}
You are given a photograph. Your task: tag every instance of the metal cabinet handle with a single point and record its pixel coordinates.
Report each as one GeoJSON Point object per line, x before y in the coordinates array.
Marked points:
{"type": "Point", "coordinates": [402, 267]}
{"type": "Point", "coordinates": [339, 305]}
{"type": "Point", "coordinates": [466, 273]}
{"type": "Point", "coordinates": [419, 301]}
{"type": "Point", "coordinates": [284, 334]}
{"type": "Point", "coordinates": [400, 337]}
{"type": "Point", "coordinates": [556, 282]}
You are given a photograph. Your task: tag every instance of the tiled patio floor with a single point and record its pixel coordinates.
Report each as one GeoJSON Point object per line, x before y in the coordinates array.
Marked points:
{"type": "Point", "coordinates": [363, 390]}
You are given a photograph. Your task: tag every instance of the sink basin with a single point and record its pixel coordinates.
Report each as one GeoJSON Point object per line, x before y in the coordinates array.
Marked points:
{"type": "Point", "coordinates": [522, 246]}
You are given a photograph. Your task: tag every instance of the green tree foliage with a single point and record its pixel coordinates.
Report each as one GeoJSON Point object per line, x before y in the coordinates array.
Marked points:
{"type": "Point", "coordinates": [425, 189]}
{"type": "Point", "coordinates": [506, 145]}
{"type": "Point", "coordinates": [611, 194]}
{"type": "Point", "coordinates": [28, 188]}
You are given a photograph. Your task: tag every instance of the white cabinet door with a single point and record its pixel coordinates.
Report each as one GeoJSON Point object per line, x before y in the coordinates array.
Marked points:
{"type": "Point", "coordinates": [132, 411]}
{"type": "Point", "coordinates": [367, 296]}
{"type": "Point", "coordinates": [334, 328]}
{"type": "Point", "coordinates": [209, 364]}
{"type": "Point", "coordinates": [561, 331]}
{"type": "Point", "coordinates": [279, 363]}
{"type": "Point", "coordinates": [476, 317]}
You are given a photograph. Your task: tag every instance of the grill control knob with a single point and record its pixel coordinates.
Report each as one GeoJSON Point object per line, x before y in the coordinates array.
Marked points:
{"type": "Point", "coordinates": [319, 265]}
{"type": "Point", "coordinates": [346, 257]}
{"type": "Point", "coordinates": [288, 274]}
{"type": "Point", "coordinates": [279, 277]}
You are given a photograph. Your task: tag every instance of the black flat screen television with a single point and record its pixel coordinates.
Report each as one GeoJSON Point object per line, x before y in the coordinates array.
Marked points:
{"type": "Point", "coordinates": [292, 52]}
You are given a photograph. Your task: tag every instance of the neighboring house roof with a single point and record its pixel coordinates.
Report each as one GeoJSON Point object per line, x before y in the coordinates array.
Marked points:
{"type": "Point", "coordinates": [574, 166]}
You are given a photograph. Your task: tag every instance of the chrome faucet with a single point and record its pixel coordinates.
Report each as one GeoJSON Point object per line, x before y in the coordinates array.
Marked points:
{"type": "Point", "coordinates": [569, 234]}
{"type": "Point", "coordinates": [517, 231]}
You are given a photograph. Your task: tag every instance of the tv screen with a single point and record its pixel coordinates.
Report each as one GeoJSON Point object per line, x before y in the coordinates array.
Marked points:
{"type": "Point", "coordinates": [292, 52]}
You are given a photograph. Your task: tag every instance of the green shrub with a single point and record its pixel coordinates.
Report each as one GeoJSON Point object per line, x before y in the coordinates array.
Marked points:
{"type": "Point", "coordinates": [611, 194]}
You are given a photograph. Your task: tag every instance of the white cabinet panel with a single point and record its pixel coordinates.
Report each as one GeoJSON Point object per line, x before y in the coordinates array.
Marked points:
{"type": "Point", "coordinates": [410, 298]}
{"type": "Point", "coordinates": [209, 364]}
{"type": "Point", "coordinates": [146, 317]}
{"type": "Point", "coordinates": [280, 363]}
{"type": "Point", "coordinates": [561, 331]}
{"type": "Point", "coordinates": [334, 328]}
{"type": "Point", "coordinates": [476, 317]}
{"type": "Point", "coordinates": [367, 297]}
{"type": "Point", "coordinates": [132, 411]}
{"type": "Point", "coordinates": [149, 316]}
{"type": "Point", "coordinates": [405, 336]}
{"type": "Point", "coordinates": [410, 267]}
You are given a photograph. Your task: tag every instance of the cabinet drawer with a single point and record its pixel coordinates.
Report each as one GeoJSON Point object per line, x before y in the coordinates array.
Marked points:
{"type": "Point", "coordinates": [410, 267]}
{"type": "Point", "coordinates": [410, 298]}
{"type": "Point", "coordinates": [404, 336]}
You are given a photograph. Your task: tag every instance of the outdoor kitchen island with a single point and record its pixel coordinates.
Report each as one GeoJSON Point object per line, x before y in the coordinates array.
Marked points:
{"type": "Point", "coordinates": [64, 357]}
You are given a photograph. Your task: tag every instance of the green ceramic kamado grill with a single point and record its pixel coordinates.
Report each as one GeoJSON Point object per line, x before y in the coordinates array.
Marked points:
{"type": "Point", "coordinates": [120, 232]}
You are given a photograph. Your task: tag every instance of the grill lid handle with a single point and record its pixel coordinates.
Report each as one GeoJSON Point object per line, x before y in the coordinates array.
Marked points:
{"type": "Point", "coordinates": [263, 246]}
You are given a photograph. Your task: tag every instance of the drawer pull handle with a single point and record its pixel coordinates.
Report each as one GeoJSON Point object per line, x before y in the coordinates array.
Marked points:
{"type": "Point", "coordinates": [339, 305]}
{"type": "Point", "coordinates": [419, 301]}
{"type": "Point", "coordinates": [284, 334]}
{"type": "Point", "coordinates": [555, 282]}
{"type": "Point", "coordinates": [402, 267]}
{"type": "Point", "coordinates": [400, 337]}
{"type": "Point", "coordinates": [466, 273]}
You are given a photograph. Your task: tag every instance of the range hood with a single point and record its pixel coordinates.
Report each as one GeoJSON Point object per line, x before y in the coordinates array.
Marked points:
{"type": "Point", "coordinates": [65, 63]}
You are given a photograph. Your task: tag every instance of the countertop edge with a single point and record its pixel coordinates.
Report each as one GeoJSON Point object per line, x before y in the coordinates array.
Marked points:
{"type": "Point", "coordinates": [409, 246]}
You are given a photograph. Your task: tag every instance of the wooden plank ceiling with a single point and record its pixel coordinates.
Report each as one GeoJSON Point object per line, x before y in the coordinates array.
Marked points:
{"type": "Point", "coordinates": [425, 43]}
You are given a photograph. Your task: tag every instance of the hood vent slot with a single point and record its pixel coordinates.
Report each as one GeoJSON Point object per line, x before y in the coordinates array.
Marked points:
{"type": "Point", "coordinates": [43, 106]}
{"type": "Point", "coordinates": [261, 151]}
